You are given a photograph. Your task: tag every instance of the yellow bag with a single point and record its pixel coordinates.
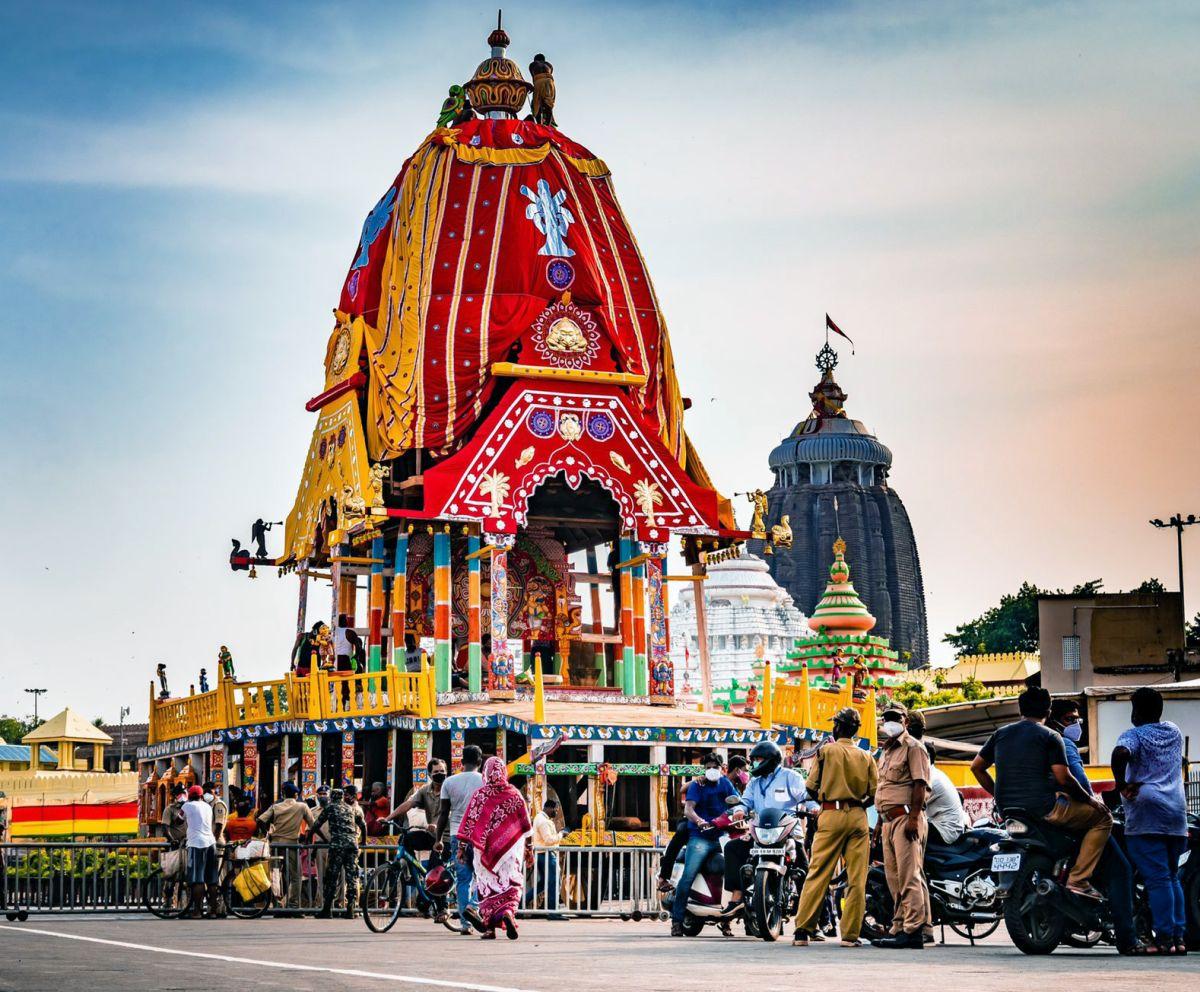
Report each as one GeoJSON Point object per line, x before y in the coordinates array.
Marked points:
{"type": "Point", "coordinates": [252, 882]}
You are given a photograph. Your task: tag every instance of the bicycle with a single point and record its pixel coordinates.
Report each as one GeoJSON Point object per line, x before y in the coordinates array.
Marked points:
{"type": "Point", "coordinates": [384, 887]}
{"type": "Point", "coordinates": [171, 898]}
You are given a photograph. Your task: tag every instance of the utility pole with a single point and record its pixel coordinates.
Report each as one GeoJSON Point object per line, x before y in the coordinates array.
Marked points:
{"type": "Point", "coordinates": [124, 712]}
{"type": "Point", "coordinates": [1177, 523]}
{"type": "Point", "coordinates": [36, 693]}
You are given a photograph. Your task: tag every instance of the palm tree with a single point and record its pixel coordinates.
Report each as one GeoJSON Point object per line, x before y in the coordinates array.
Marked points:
{"type": "Point", "coordinates": [647, 497]}
{"type": "Point", "coordinates": [495, 485]}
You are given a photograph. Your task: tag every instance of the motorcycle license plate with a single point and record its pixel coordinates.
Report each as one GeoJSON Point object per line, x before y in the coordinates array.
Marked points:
{"type": "Point", "coordinates": [771, 852]}
{"type": "Point", "coordinates": [1006, 862]}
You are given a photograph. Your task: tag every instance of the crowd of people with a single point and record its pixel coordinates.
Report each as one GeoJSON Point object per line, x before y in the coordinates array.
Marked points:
{"type": "Point", "coordinates": [483, 824]}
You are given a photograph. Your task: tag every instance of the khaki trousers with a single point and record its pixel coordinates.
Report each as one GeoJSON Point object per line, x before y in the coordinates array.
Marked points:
{"type": "Point", "coordinates": [842, 835]}
{"type": "Point", "coordinates": [903, 861]}
{"type": "Point", "coordinates": [1095, 824]}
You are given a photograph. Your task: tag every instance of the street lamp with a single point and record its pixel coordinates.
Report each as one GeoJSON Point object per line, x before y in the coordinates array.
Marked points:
{"type": "Point", "coordinates": [36, 693]}
{"type": "Point", "coordinates": [1178, 522]}
{"type": "Point", "coordinates": [124, 712]}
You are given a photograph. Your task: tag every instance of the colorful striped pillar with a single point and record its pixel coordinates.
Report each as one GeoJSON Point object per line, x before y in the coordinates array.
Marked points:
{"type": "Point", "coordinates": [310, 765]}
{"type": "Point", "coordinates": [441, 609]}
{"type": "Point", "coordinates": [420, 757]}
{"type": "Point", "coordinates": [390, 775]}
{"type": "Point", "coordinates": [638, 685]}
{"type": "Point", "coordinates": [302, 606]}
{"type": "Point", "coordinates": [503, 684]}
{"type": "Point", "coordinates": [250, 772]}
{"type": "Point", "coordinates": [474, 607]}
{"type": "Point", "coordinates": [502, 744]}
{"type": "Point", "coordinates": [625, 665]}
{"type": "Point", "coordinates": [458, 740]}
{"type": "Point", "coordinates": [399, 599]}
{"type": "Point", "coordinates": [347, 757]}
{"type": "Point", "coordinates": [376, 601]}
{"type": "Point", "coordinates": [662, 672]}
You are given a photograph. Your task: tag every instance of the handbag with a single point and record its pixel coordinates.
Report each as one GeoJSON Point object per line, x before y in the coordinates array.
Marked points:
{"type": "Point", "coordinates": [252, 882]}
{"type": "Point", "coordinates": [173, 863]}
{"type": "Point", "coordinates": [252, 850]}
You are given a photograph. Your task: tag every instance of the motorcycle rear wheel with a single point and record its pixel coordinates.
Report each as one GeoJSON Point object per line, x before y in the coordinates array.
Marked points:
{"type": "Point", "coordinates": [1034, 925]}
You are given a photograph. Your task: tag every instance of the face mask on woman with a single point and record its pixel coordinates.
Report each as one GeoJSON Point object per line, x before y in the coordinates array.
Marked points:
{"type": "Point", "coordinates": [741, 776]}
{"type": "Point", "coordinates": [893, 728]}
{"type": "Point", "coordinates": [712, 774]}
{"type": "Point", "coordinates": [1073, 732]}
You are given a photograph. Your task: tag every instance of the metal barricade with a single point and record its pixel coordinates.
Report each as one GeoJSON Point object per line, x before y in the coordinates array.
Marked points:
{"type": "Point", "coordinates": [117, 877]}
{"type": "Point", "coordinates": [593, 881]}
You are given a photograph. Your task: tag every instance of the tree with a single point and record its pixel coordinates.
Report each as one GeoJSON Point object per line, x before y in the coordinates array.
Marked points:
{"type": "Point", "coordinates": [13, 728]}
{"type": "Point", "coordinates": [1150, 586]}
{"type": "Point", "coordinates": [1192, 632]}
{"type": "Point", "coordinates": [1012, 625]}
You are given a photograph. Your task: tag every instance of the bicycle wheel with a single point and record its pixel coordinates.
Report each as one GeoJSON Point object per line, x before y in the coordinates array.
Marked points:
{"type": "Point", "coordinates": [168, 899]}
{"type": "Point", "coordinates": [381, 898]}
{"type": "Point", "coordinates": [245, 909]}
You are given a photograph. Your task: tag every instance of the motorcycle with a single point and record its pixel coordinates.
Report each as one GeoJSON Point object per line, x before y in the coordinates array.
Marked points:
{"type": "Point", "coordinates": [963, 886]}
{"type": "Point", "coordinates": [1189, 877]}
{"type": "Point", "coordinates": [774, 875]}
{"type": "Point", "coordinates": [1040, 913]}
{"type": "Point", "coordinates": [704, 901]}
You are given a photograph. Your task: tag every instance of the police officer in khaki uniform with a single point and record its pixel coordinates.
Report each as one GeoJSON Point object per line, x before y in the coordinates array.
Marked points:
{"type": "Point", "coordinates": [900, 799]}
{"type": "Point", "coordinates": [843, 781]}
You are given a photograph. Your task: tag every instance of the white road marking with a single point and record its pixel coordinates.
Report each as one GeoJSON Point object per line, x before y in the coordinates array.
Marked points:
{"type": "Point", "coordinates": [354, 972]}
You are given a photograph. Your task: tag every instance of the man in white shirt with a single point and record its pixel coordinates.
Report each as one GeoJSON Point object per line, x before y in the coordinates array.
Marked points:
{"type": "Point", "coordinates": [201, 853]}
{"type": "Point", "coordinates": [943, 808]}
{"type": "Point", "coordinates": [456, 793]}
{"type": "Point", "coordinates": [546, 838]}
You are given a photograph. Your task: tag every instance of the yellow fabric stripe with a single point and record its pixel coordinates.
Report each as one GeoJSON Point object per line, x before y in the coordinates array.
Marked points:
{"type": "Point", "coordinates": [634, 324]}
{"type": "Point", "coordinates": [534, 155]}
{"type": "Point", "coordinates": [612, 313]}
{"type": "Point", "coordinates": [429, 257]}
{"type": "Point", "coordinates": [464, 250]}
{"type": "Point", "coordinates": [485, 323]}
{"type": "Point", "coordinates": [568, 375]}
{"type": "Point", "coordinates": [672, 426]}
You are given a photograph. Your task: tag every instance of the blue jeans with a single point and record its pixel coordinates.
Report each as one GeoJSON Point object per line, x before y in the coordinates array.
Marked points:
{"type": "Point", "coordinates": [1156, 857]}
{"type": "Point", "coordinates": [698, 851]}
{"type": "Point", "coordinates": [547, 881]}
{"type": "Point", "coordinates": [463, 877]}
{"type": "Point", "coordinates": [1117, 879]}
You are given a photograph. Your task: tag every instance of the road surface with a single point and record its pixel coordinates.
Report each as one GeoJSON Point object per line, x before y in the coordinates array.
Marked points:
{"type": "Point", "coordinates": [142, 954]}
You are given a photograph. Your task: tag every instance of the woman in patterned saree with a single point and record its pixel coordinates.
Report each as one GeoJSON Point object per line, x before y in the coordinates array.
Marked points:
{"type": "Point", "coordinates": [492, 833]}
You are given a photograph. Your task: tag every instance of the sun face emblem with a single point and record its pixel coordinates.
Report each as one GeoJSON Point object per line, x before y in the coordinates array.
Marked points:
{"type": "Point", "coordinates": [341, 350]}
{"type": "Point", "coordinates": [566, 337]}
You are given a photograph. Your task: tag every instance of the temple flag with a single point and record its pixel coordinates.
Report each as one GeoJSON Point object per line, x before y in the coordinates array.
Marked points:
{"type": "Point", "coordinates": [831, 326]}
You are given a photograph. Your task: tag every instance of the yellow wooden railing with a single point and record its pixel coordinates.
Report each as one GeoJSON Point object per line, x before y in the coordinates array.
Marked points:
{"type": "Point", "coordinates": [319, 696]}
{"type": "Point", "coordinates": [798, 704]}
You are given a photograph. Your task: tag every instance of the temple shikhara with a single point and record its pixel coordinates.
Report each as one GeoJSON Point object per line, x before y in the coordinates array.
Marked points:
{"type": "Point", "coordinates": [480, 534]}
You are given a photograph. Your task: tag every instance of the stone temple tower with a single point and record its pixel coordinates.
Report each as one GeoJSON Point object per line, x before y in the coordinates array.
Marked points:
{"type": "Point", "coordinates": [831, 480]}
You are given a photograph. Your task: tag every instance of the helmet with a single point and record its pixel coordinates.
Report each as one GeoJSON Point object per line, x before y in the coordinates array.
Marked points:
{"type": "Point", "coordinates": [765, 757]}
{"type": "Point", "coordinates": [438, 881]}
{"type": "Point", "coordinates": [848, 718]}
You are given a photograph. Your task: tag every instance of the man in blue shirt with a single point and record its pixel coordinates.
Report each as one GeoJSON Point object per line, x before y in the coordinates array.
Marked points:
{"type": "Point", "coordinates": [1114, 866]}
{"type": "Point", "coordinates": [703, 803]}
{"type": "Point", "coordinates": [771, 787]}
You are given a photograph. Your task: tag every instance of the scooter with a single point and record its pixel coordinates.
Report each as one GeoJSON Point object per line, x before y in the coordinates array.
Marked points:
{"type": "Point", "coordinates": [774, 874]}
{"type": "Point", "coordinates": [704, 901]}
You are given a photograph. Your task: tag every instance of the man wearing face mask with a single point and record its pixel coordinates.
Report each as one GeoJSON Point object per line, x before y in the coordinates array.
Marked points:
{"type": "Point", "coordinates": [428, 798]}
{"type": "Point", "coordinates": [1114, 866]}
{"type": "Point", "coordinates": [771, 787]}
{"type": "Point", "coordinates": [900, 799]}
{"type": "Point", "coordinates": [704, 802]}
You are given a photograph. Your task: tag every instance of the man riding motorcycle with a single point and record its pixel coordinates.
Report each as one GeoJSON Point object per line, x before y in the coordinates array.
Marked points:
{"type": "Point", "coordinates": [771, 787]}
{"type": "Point", "coordinates": [704, 802]}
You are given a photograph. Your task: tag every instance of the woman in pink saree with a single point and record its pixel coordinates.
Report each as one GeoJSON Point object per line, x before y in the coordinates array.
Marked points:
{"type": "Point", "coordinates": [495, 826]}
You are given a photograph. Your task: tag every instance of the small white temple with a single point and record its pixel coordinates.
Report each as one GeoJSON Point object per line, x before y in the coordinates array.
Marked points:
{"type": "Point", "coordinates": [745, 607]}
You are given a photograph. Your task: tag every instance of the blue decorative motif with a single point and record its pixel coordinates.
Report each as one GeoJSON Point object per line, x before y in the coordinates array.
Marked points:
{"type": "Point", "coordinates": [372, 227]}
{"type": "Point", "coordinates": [600, 426]}
{"type": "Point", "coordinates": [560, 274]}
{"type": "Point", "coordinates": [550, 217]}
{"type": "Point", "coordinates": [541, 423]}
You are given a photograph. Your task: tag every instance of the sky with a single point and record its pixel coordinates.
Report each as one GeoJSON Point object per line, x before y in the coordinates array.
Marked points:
{"type": "Point", "coordinates": [999, 202]}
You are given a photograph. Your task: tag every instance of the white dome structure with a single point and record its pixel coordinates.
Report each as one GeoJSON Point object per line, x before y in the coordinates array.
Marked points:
{"type": "Point", "coordinates": [744, 606]}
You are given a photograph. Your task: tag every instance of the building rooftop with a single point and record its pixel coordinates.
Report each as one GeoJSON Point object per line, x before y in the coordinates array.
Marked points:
{"type": "Point", "coordinates": [67, 726]}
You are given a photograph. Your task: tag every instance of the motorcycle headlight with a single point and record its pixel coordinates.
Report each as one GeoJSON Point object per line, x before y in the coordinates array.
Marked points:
{"type": "Point", "coordinates": [769, 835]}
